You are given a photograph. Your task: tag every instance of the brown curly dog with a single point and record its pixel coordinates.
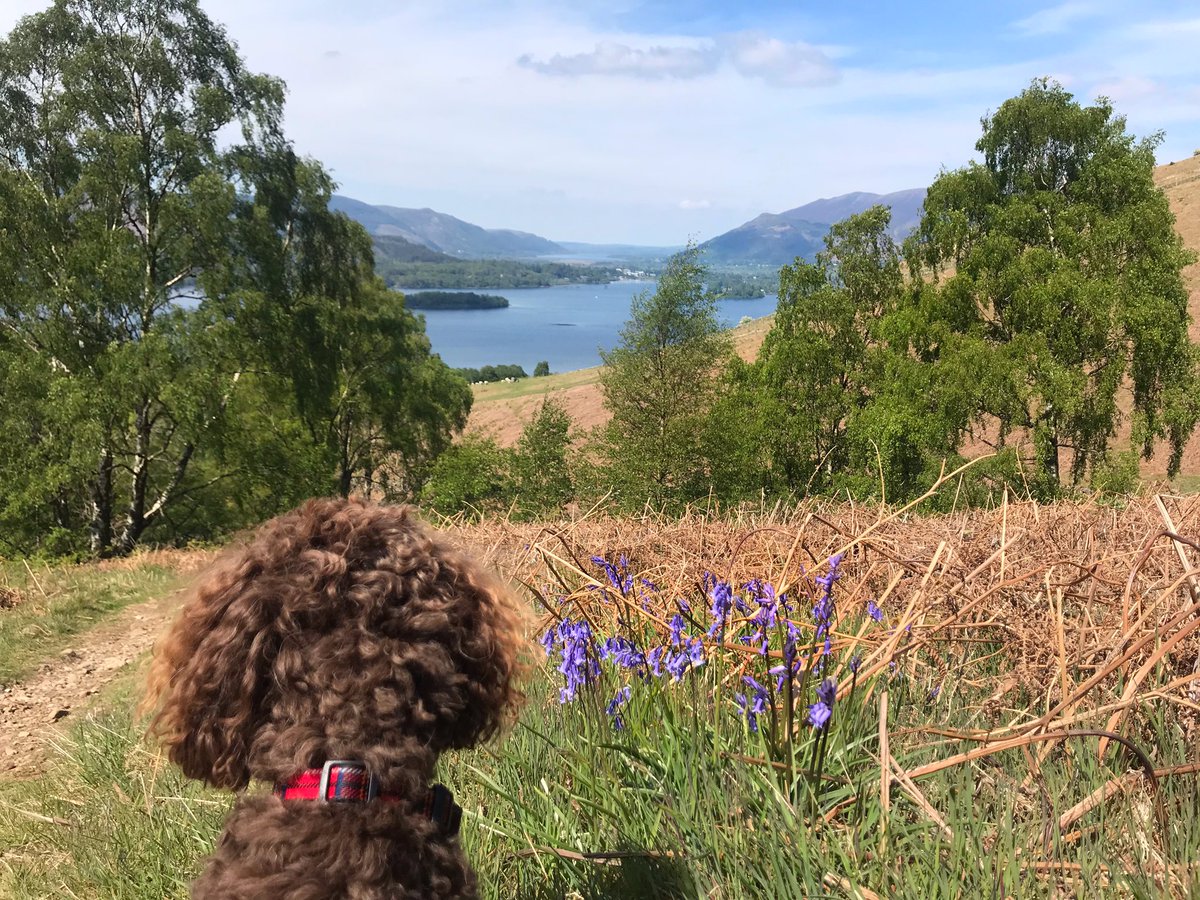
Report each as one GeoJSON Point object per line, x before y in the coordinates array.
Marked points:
{"type": "Point", "coordinates": [341, 631]}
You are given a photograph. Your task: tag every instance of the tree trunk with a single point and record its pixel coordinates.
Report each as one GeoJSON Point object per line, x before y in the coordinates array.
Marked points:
{"type": "Point", "coordinates": [135, 513]}
{"type": "Point", "coordinates": [346, 463]}
{"type": "Point", "coordinates": [1049, 456]}
{"type": "Point", "coordinates": [101, 506]}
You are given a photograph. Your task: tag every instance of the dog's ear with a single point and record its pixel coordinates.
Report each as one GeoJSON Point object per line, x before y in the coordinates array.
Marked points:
{"type": "Point", "coordinates": [491, 646]}
{"type": "Point", "coordinates": [210, 672]}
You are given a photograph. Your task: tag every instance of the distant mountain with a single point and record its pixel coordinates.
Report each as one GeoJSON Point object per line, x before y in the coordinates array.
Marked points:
{"type": "Point", "coordinates": [777, 239]}
{"type": "Point", "coordinates": [617, 252]}
{"type": "Point", "coordinates": [444, 233]}
{"type": "Point", "coordinates": [393, 248]}
{"type": "Point", "coordinates": [768, 239]}
{"type": "Point", "coordinates": [906, 209]}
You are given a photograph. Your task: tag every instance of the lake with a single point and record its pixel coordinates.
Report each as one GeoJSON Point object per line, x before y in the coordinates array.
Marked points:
{"type": "Point", "coordinates": [564, 325]}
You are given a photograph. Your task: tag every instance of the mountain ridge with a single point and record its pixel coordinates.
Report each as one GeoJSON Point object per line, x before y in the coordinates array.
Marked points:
{"type": "Point", "coordinates": [443, 232]}
{"type": "Point", "coordinates": [776, 239]}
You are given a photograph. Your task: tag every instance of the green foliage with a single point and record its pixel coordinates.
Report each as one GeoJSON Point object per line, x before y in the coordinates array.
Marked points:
{"type": "Point", "coordinates": [491, 373]}
{"type": "Point", "coordinates": [659, 385]}
{"type": "Point", "coordinates": [453, 300]}
{"type": "Point", "coordinates": [495, 274]}
{"type": "Point", "coordinates": [818, 362]}
{"type": "Point", "coordinates": [472, 476]}
{"type": "Point", "coordinates": [155, 286]}
{"type": "Point", "coordinates": [1117, 475]}
{"type": "Point", "coordinates": [743, 283]}
{"type": "Point", "coordinates": [1058, 272]}
{"type": "Point", "coordinates": [541, 369]}
{"type": "Point", "coordinates": [541, 471]}
{"type": "Point", "coordinates": [1039, 283]}
{"type": "Point", "coordinates": [531, 480]}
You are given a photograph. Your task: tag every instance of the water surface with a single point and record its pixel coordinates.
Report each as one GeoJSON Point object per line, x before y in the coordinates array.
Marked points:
{"type": "Point", "coordinates": [563, 325]}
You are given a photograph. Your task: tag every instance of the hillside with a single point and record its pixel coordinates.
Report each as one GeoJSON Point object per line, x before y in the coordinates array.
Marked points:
{"type": "Point", "coordinates": [390, 248]}
{"type": "Point", "coordinates": [769, 239]}
{"type": "Point", "coordinates": [778, 238]}
{"type": "Point", "coordinates": [501, 411]}
{"type": "Point", "coordinates": [444, 233]}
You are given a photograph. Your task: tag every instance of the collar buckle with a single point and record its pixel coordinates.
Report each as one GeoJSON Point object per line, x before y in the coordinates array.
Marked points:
{"type": "Point", "coordinates": [326, 772]}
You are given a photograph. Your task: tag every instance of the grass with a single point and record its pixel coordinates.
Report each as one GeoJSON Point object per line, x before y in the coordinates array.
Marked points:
{"type": "Point", "coordinates": [1187, 484]}
{"type": "Point", "coordinates": [48, 607]}
{"type": "Point", "coordinates": [110, 819]}
{"type": "Point", "coordinates": [532, 387]}
{"type": "Point", "coordinates": [1009, 639]}
{"type": "Point", "coordinates": [747, 339]}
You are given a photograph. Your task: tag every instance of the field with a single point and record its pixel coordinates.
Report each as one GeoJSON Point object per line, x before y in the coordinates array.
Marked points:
{"type": "Point", "coordinates": [838, 701]}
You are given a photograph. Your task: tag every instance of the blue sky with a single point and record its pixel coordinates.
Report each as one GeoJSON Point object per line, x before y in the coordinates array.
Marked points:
{"type": "Point", "coordinates": [653, 122]}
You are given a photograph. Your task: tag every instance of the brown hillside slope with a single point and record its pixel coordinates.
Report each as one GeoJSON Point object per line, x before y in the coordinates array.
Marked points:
{"type": "Point", "coordinates": [502, 410]}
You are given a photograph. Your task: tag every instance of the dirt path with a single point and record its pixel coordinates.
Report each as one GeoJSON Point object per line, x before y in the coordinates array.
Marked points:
{"type": "Point", "coordinates": [36, 711]}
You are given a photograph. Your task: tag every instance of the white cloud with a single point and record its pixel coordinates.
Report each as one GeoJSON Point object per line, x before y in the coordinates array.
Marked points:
{"type": "Point", "coordinates": [1056, 19]}
{"type": "Point", "coordinates": [750, 54]}
{"type": "Point", "coordinates": [782, 63]}
{"type": "Point", "coordinates": [695, 204]}
{"type": "Point", "coordinates": [620, 59]}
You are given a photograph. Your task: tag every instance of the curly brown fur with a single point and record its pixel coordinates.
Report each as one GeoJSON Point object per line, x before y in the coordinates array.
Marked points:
{"type": "Point", "coordinates": [341, 630]}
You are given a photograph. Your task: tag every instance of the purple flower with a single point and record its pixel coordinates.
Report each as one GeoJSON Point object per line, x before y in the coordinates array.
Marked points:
{"type": "Point", "coordinates": [623, 652]}
{"type": "Point", "coordinates": [874, 611]}
{"type": "Point", "coordinates": [618, 575]}
{"type": "Point", "coordinates": [578, 666]}
{"type": "Point", "coordinates": [820, 712]}
{"type": "Point", "coordinates": [721, 594]}
{"type": "Point", "coordinates": [677, 664]}
{"type": "Point", "coordinates": [696, 652]}
{"type": "Point", "coordinates": [614, 707]}
{"type": "Point", "coordinates": [654, 661]}
{"type": "Point", "coordinates": [855, 663]}
{"type": "Point", "coordinates": [676, 624]}
{"type": "Point", "coordinates": [752, 705]}
{"type": "Point", "coordinates": [827, 691]}
{"type": "Point", "coordinates": [818, 715]}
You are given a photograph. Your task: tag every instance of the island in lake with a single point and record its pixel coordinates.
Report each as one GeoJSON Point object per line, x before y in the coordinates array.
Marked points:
{"type": "Point", "coordinates": [454, 300]}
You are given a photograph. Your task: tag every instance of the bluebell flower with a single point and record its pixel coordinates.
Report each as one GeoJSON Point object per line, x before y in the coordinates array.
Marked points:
{"type": "Point", "coordinates": [618, 575]}
{"type": "Point", "coordinates": [855, 663]}
{"type": "Point", "coordinates": [614, 707]}
{"type": "Point", "coordinates": [819, 714]}
{"type": "Point", "coordinates": [578, 666]}
{"type": "Point", "coordinates": [827, 691]}
{"type": "Point", "coordinates": [696, 652]}
{"type": "Point", "coordinates": [623, 652]}
{"type": "Point", "coordinates": [874, 611]}
{"type": "Point", "coordinates": [677, 664]}
{"type": "Point", "coordinates": [654, 661]}
{"type": "Point", "coordinates": [676, 625]}
{"type": "Point", "coordinates": [752, 705]}
{"type": "Point", "coordinates": [721, 594]}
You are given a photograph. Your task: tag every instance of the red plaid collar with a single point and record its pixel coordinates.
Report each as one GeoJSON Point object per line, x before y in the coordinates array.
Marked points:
{"type": "Point", "coordinates": [349, 781]}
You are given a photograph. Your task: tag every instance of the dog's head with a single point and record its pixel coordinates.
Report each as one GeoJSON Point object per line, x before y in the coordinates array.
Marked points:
{"type": "Point", "coordinates": [340, 630]}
